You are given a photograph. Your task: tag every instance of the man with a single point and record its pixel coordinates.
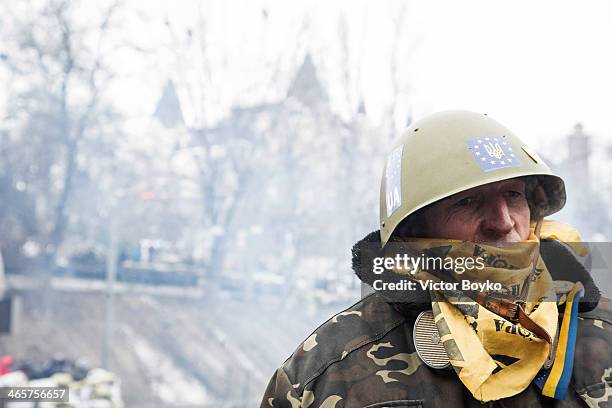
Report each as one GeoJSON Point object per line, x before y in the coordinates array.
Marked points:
{"type": "Point", "coordinates": [461, 186]}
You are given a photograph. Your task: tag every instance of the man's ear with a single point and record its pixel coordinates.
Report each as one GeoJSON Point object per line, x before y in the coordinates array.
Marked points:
{"type": "Point", "coordinates": [540, 202]}
{"type": "Point", "coordinates": [536, 197]}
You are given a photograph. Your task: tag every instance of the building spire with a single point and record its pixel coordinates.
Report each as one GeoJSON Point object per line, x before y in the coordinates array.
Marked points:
{"type": "Point", "coordinates": [168, 110]}
{"type": "Point", "coordinates": [306, 86]}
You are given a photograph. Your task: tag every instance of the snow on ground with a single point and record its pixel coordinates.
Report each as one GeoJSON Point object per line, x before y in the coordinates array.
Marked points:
{"type": "Point", "coordinates": [168, 381]}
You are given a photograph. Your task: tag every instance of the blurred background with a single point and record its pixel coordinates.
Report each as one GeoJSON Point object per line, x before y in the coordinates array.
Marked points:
{"type": "Point", "coordinates": [181, 183]}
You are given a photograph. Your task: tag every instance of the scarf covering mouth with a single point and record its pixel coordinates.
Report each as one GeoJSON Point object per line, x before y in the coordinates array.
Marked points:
{"type": "Point", "coordinates": [493, 357]}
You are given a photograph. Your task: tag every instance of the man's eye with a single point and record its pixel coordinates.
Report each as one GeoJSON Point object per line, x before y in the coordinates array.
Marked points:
{"type": "Point", "coordinates": [513, 194]}
{"type": "Point", "coordinates": [465, 202]}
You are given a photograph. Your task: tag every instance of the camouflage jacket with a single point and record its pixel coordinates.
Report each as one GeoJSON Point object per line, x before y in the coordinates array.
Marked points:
{"type": "Point", "coordinates": [364, 357]}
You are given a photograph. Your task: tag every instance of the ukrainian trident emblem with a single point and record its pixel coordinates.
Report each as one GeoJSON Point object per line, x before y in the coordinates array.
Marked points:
{"type": "Point", "coordinates": [494, 150]}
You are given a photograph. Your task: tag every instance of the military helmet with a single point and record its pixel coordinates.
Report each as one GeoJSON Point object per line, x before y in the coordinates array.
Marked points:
{"type": "Point", "coordinates": [453, 151]}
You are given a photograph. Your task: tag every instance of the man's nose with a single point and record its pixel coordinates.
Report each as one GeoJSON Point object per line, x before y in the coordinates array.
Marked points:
{"type": "Point", "coordinates": [497, 221]}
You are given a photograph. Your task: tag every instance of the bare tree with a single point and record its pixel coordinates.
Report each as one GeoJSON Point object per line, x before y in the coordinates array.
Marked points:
{"type": "Point", "coordinates": [224, 152]}
{"type": "Point", "coordinates": [58, 64]}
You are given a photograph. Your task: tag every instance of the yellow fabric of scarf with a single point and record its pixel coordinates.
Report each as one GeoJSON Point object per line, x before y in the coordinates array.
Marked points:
{"type": "Point", "coordinates": [493, 357]}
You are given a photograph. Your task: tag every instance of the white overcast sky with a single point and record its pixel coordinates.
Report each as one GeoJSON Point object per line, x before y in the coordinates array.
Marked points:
{"type": "Point", "coordinates": [538, 67]}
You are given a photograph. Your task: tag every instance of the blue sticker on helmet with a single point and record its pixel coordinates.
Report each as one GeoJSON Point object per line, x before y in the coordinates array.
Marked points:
{"type": "Point", "coordinates": [493, 153]}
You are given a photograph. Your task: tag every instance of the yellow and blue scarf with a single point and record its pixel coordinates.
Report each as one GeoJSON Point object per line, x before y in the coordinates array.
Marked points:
{"type": "Point", "coordinates": [554, 382]}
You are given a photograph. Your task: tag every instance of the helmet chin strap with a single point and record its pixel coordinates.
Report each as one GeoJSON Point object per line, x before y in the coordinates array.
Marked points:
{"type": "Point", "coordinates": [536, 256]}
{"type": "Point", "coordinates": [538, 227]}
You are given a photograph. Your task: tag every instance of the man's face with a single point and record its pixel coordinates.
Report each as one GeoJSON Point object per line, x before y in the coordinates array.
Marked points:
{"type": "Point", "coordinates": [495, 213]}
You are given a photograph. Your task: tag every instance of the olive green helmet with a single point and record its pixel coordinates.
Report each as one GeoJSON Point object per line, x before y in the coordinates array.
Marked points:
{"type": "Point", "coordinates": [452, 151]}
